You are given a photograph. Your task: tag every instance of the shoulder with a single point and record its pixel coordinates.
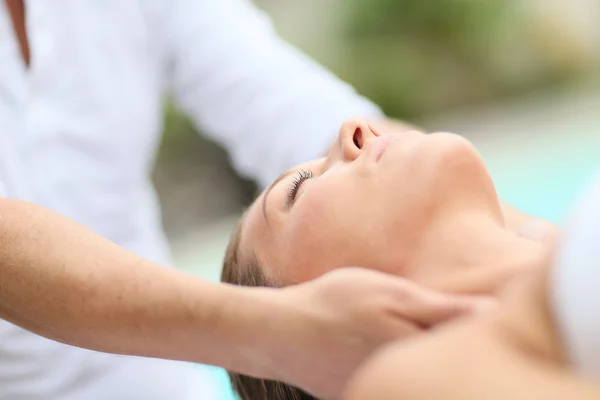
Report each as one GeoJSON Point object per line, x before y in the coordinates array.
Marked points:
{"type": "Point", "coordinates": [468, 360]}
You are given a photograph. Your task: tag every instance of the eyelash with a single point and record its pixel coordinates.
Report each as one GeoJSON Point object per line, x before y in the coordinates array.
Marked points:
{"type": "Point", "coordinates": [292, 191]}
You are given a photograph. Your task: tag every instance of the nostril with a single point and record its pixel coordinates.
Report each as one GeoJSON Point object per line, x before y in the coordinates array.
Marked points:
{"type": "Point", "coordinates": [358, 138]}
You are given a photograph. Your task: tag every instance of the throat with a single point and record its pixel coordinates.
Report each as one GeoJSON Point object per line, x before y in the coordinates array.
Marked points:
{"type": "Point", "coordinates": [472, 254]}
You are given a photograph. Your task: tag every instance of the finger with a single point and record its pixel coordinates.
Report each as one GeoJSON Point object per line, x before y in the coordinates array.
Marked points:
{"type": "Point", "coordinates": [443, 308]}
{"type": "Point", "coordinates": [403, 328]}
{"type": "Point", "coordinates": [428, 307]}
{"type": "Point", "coordinates": [398, 329]}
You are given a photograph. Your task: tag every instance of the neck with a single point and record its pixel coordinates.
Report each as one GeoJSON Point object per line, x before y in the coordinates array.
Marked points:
{"type": "Point", "coordinates": [474, 254]}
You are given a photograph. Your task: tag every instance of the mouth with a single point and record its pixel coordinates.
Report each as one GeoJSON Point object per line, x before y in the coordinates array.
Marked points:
{"type": "Point", "coordinates": [382, 143]}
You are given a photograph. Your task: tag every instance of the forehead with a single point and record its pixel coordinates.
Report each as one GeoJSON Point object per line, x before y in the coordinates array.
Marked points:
{"type": "Point", "coordinates": [254, 228]}
{"type": "Point", "coordinates": [259, 236]}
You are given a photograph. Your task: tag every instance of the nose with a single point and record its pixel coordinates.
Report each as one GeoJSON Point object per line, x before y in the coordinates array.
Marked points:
{"type": "Point", "coordinates": [355, 134]}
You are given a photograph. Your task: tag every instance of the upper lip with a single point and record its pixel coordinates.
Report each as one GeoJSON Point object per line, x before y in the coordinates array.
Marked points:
{"type": "Point", "coordinates": [381, 143]}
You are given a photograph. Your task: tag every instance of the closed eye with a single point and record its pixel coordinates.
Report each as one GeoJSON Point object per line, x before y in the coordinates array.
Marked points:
{"type": "Point", "coordinates": [300, 177]}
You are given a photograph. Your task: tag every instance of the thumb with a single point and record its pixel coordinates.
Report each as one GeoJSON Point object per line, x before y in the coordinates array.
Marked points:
{"type": "Point", "coordinates": [429, 307]}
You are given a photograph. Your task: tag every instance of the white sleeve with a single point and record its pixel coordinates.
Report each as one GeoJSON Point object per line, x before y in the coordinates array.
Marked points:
{"type": "Point", "coordinates": [576, 284]}
{"type": "Point", "coordinates": [270, 105]}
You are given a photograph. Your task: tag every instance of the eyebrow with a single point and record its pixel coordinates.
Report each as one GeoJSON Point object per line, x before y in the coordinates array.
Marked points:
{"type": "Point", "coordinates": [275, 182]}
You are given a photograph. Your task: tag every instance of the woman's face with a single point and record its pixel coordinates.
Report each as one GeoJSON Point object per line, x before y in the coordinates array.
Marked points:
{"type": "Point", "coordinates": [367, 203]}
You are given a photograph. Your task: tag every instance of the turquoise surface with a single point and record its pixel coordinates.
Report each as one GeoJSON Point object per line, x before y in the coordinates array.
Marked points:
{"type": "Point", "coordinates": [546, 186]}
{"type": "Point", "coordinates": [222, 381]}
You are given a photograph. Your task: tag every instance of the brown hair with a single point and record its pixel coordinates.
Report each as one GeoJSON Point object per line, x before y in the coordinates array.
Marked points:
{"type": "Point", "coordinates": [245, 270]}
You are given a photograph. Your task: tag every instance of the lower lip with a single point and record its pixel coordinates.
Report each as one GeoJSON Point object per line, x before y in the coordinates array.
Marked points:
{"type": "Point", "coordinates": [382, 143]}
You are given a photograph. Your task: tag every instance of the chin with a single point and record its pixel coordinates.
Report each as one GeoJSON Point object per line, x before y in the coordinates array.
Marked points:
{"type": "Point", "coordinates": [457, 162]}
{"type": "Point", "coordinates": [453, 151]}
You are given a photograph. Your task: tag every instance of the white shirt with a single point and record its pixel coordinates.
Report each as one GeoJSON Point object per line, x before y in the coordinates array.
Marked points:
{"type": "Point", "coordinates": [80, 127]}
{"type": "Point", "coordinates": [576, 284]}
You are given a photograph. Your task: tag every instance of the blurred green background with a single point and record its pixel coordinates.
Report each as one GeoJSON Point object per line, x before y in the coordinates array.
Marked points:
{"type": "Point", "coordinates": [417, 57]}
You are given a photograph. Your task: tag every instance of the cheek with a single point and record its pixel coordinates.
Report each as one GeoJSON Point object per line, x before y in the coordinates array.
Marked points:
{"type": "Point", "coordinates": [319, 230]}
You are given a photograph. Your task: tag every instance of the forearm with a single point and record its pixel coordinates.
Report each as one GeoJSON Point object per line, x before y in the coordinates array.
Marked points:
{"type": "Point", "coordinates": [62, 281]}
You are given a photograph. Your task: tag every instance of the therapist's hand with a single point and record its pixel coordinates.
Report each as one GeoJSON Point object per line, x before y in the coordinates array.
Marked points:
{"type": "Point", "coordinates": [513, 352]}
{"type": "Point", "coordinates": [330, 325]}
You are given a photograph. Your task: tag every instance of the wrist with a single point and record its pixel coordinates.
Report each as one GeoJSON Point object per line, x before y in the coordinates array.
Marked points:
{"type": "Point", "coordinates": [250, 325]}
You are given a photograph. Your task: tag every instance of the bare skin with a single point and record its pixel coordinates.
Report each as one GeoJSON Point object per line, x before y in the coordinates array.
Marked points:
{"type": "Point", "coordinates": [62, 281]}
{"type": "Point", "coordinates": [513, 353]}
{"type": "Point", "coordinates": [515, 220]}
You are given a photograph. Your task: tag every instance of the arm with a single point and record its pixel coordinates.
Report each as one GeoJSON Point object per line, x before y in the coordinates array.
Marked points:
{"type": "Point", "coordinates": [466, 363]}
{"type": "Point", "coordinates": [511, 353]}
{"type": "Point", "coordinates": [62, 281]}
{"type": "Point", "coordinates": [270, 105]}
